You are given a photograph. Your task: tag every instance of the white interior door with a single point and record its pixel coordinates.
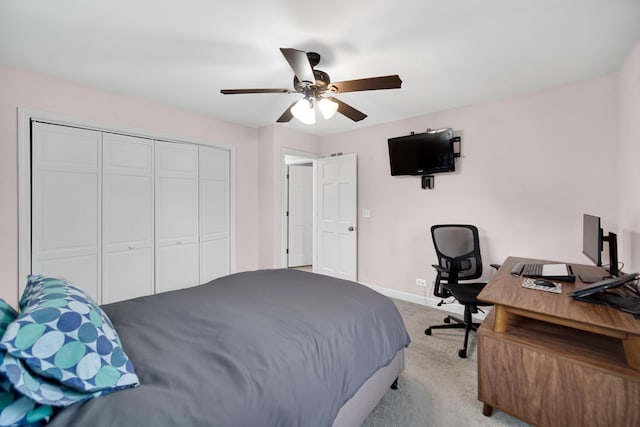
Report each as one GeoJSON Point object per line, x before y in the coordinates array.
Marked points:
{"type": "Point", "coordinates": [337, 241]}
{"type": "Point", "coordinates": [300, 217]}
{"type": "Point", "coordinates": [213, 170]}
{"type": "Point", "coordinates": [66, 205]}
{"type": "Point", "coordinates": [177, 251]}
{"type": "Point", "coordinates": [127, 229]}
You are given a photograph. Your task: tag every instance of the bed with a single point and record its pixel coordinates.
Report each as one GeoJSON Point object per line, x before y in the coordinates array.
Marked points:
{"type": "Point", "coordinates": [261, 348]}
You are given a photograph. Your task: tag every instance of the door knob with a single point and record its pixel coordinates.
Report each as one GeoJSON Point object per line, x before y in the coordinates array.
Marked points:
{"type": "Point", "coordinates": [352, 228]}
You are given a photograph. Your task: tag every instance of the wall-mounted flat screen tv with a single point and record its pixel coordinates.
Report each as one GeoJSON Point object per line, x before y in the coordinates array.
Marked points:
{"type": "Point", "coordinates": [422, 153]}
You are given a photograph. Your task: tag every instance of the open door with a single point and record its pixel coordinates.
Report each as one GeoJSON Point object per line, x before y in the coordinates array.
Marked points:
{"type": "Point", "coordinates": [300, 215]}
{"type": "Point", "coordinates": [337, 215]}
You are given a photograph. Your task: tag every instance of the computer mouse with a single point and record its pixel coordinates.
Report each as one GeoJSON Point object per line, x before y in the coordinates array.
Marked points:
{"type": "Point", "coordinates": [542, 282]}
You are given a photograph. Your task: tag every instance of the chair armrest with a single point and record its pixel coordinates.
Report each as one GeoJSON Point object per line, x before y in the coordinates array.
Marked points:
{"type": "Point", "coordinates": [439, 268]}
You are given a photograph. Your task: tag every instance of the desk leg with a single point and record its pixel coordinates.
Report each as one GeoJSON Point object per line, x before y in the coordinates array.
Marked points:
{"type": "Point", "coordinates": [501, 320]}
{"type": "Point", "coordinates": [487, 410]}
{"type": "Point", "coordinates": [632, 351]}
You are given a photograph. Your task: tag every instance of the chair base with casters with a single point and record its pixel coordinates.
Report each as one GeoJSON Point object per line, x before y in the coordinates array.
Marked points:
{"type": "Point", "coordinates": [466, 295]}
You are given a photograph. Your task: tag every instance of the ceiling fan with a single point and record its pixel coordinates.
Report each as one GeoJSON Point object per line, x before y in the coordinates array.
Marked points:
{"type": "Point", "coordinates": [315, 85]}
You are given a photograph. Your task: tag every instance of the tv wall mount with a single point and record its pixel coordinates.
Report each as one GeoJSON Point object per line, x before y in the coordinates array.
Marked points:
{"type": "Point", "coordinates": [428, 181]}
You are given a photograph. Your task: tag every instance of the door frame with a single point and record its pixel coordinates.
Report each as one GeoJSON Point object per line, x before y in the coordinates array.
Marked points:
{"type": "Point", "coordinates": [284, 205]}
{"type": "Point", "coordinates": [26, 115]}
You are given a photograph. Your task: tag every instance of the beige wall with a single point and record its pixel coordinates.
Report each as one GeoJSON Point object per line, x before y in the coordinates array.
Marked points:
{"type": "Point", "coordinates": [629, 158]}
{"type": "Point", "coordinates": [531, 166]}
{"type": "Point", "coordinates": [21, 88]}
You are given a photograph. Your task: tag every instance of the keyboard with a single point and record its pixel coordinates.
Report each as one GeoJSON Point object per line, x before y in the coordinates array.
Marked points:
{"type": "Point", "coordinates": [561, 272]}
{"type": "Point", "coordinates": [532, 270]}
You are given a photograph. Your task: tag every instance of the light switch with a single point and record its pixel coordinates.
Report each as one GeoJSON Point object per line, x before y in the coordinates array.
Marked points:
{"type": "Point", "coordinates": [366, 213]}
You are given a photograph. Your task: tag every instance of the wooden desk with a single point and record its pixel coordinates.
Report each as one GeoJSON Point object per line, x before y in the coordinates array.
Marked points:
{"type": "Point", "coordinates": [554, 361]}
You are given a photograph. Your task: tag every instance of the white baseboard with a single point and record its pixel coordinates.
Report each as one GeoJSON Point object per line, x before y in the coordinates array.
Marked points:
{"type": "Point", "coordinates": [429, 301]}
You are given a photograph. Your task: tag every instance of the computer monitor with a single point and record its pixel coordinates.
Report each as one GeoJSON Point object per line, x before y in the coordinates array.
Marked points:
{"type": "Point", "coordinates": [592, 243]}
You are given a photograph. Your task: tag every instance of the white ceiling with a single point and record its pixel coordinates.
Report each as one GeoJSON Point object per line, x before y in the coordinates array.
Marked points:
{"type": "Point", "coordinates": [448, 53]}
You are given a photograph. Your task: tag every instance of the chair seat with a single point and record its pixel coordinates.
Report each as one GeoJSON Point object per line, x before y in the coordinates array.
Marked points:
{"type": "Point", "coordinates": [467, 293]}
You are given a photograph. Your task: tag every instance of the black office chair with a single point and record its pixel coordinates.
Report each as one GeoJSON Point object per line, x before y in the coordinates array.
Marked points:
{"type": "Point", "coordinates": [458, 250]}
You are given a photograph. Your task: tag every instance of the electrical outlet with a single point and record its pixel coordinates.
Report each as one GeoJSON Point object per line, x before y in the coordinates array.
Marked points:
{"type": "Point", "coordinates": [421, 282]}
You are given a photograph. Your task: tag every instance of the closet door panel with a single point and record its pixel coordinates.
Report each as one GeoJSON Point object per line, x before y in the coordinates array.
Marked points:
{"type": "Point", "coordinates": [177, 267]}
{"type": "Point", "coordinates": [214, 259]}
{"type": "Point", "coordinates": [214, 213]}
{"type": "Point", "coordinates": [128, 274]}
{"type": "Point", "coordinates": [177, 249]}
{"type": "Point", "coordinates": [67, 212]}
{"type": "Point", "coordinates": [66, 205]}
{"type": "Point", "coordinates": [128, 218]}
{"type": "Point", "coordinates": [177, 203]}
{"type": "Point", "coordinates": [128, 206]}
{"type": "Point", "coordinates": [214, 196]}
{"type": "Point", "coordinates": [80, 270]}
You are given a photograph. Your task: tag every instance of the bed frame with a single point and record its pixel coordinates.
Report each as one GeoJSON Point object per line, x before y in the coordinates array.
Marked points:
{"type": "Point", "coordinates": [355, 410]}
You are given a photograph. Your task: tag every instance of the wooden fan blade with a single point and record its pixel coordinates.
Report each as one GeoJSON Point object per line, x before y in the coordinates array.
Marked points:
{"type": "Point", "coordinates": [348, 110]}
{"type": "Point", "coordinates": [372, 83]}
{"type": "Point", "coordinates": [286, 116]}
{"type": "Point", "coordinates": [299, 62]}
{"type": "Point", "coordinates": [242, 91]}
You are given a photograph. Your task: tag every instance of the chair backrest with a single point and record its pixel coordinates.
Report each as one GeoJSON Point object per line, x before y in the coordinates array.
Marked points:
{"type": "Point", "coordinates": [458, 250]}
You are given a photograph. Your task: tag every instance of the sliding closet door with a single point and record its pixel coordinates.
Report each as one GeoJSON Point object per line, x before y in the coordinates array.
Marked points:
{"type": "Point", "coordinates": [176, 216]}
{"type": "Point", "coordinates": [127, 230]}
{"type": "Point", "coordinates": [66, 205]}
{"type": "Point", "coordinates": [214, 213]}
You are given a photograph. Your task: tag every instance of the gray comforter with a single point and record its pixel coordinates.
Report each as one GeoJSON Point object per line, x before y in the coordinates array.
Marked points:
{"type": "Point", "coordinates": [262, 348]}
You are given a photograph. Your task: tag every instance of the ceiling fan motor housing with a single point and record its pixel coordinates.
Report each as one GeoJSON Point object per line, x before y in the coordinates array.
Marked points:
{"type": "Point", "coordinates": [314, 58]}
{"type": "Point", "coordinates": [321, 84]}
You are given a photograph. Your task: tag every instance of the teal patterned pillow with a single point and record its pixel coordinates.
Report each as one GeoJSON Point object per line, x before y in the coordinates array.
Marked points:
{"type": "Point", "coordinates": [7, 315]}
{"type": "Point", "coordinates": [65, 339]}
{"type": "Point", "coordinates": [16, 409]}
{"type": "Point", "coordinates": [42, 390]}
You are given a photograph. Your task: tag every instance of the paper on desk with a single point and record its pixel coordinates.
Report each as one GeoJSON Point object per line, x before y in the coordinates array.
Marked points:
{"type": "Point", "coordinates": [554, 270]}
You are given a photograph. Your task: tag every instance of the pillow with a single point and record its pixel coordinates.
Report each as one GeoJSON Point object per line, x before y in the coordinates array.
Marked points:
{"type": "Point", "coordinates": [38, 389]}
{"type": "Point", "coordinates": [15, 409]}
{"type": "Point", "coordinates": [7, 315]}
{"type": "Point", "coordinates": [67, 341]}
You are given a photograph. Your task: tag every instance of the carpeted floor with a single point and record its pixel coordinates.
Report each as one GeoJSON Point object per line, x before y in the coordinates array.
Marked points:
{"type": "Point", "coordinates": [437, 388]}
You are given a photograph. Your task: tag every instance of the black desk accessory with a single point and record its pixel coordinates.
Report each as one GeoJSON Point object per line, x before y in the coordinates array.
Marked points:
{"type": "Point", "coordinates": [607, 292]}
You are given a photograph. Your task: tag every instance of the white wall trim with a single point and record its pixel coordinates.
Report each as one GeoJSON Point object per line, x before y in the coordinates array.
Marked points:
{"type": "Point", "coordinates": [26, 115]}
{"type": "Point", "coordinates": [24, 197]}
{"type": "Point", "coordinates": [428, 301]}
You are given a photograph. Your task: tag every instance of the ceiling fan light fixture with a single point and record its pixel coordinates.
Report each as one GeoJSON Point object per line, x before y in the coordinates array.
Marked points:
{"type": "Point", "coordinates": [327, 107]}
{"type": "Point", "coordinates": [303, 110]}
